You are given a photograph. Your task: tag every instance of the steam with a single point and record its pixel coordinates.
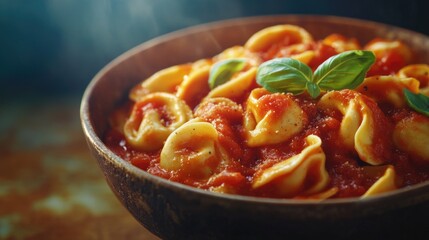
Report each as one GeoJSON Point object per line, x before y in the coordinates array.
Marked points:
{"type": "Point", "coordinates": [94, 32]}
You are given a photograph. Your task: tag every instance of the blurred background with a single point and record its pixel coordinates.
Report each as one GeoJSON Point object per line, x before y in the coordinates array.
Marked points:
{"type": "Point", "coordinates": [58, 46]}
{"type": "Point", "coordinates": [50, 187]}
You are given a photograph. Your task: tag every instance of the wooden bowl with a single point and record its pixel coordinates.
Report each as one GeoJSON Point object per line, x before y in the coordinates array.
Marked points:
{"type": "Point", "coordinates": [175, 211]}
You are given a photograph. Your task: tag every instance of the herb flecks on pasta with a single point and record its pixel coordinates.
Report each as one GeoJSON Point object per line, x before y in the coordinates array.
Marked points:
{"type": "Point", "coordinates": [284, 115]}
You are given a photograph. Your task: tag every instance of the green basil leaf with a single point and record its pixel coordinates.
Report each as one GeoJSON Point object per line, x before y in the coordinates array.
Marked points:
{"type": "Point", "coordinates": [222, 71]}
{"type": "Point", "coordinates": [344, 70]}
{"type": "Point", "coordinates": [418, 102]}
{"type": "Point", "coordinates": [284, 75]}
{"type": "Point", "coordinates": [313, 89]}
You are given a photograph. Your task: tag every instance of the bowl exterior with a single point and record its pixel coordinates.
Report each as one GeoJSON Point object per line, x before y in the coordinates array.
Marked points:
{"type": "Point", "coordinates": [174, 211]}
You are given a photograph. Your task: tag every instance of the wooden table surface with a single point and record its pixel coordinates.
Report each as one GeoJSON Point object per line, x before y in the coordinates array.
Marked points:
{"type": "Point", "coordinates": [50, 186]}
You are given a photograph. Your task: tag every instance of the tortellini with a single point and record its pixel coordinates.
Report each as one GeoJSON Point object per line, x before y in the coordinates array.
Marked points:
{"type": "Point", "coordinates": [361, 119]}
{"type": "Point", "coordinates": [420, 72]}
{"type": "Point", "coordinates": [385, 183]}
{"type": "Point", "coordinates": [271, 118]}
{"type": "Point", "coordinates": [194, 87]}
{"type": "Point", "coordinates": [340, 43]}
{"type": "Point", "coordinates": [165, 80]}
{"type": "Point", "coordinates": [192, 149]}
{"type": "Point", "coordinates": [388, 88]}
{"type": "Point", "coordinates": [234, 136]}
{"type": "Point", "coordinates": [304, 173]}
{"type": "Point", "coordinates": [153, 119]}
{"type": "Point", "coordinates": [289, 34]}
{"type": "Point", "coordinates": [381, 47]}
{"type": "Point", "coordinates": [239, 52]}
{"type": "Point", "coordinates": [411, 135]}
{"type": "Point", "coordinates": [236, 87]}
{"type": "Point", "coordinates": [175, 80]}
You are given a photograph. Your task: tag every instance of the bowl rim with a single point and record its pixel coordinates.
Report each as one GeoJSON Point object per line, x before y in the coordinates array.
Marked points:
{"type": "Point", "coordinates": [96, 142]}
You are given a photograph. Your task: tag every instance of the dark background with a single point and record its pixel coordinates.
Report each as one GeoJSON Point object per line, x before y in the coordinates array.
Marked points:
{"type": "Point", "coordinates": [57, 46]}
{"type": "Point", "coordinates": [50, 186]}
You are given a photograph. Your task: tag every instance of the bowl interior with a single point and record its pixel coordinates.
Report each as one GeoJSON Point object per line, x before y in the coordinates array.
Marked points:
{"type": "Point", "coordinates": [111, 85]}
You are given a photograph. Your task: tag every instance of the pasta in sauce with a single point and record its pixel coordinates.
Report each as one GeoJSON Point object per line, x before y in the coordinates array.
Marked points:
{"type": "Point", "coordinates": [240, 138]}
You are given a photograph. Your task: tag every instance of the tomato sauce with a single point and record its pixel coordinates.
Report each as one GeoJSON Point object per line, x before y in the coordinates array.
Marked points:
{"type": "Point", "coordinates": [347, 172]}
{"type": "Point", "coordinates": [322, 53]}
{"type": "Point", "coordinates": [387, 64]}
{"type": "Point", "coordinates": [351, 176]}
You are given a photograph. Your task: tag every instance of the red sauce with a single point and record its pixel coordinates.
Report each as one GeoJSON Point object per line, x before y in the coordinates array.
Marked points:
{"type": "Point", "coordinates": [347, 172]}
{"type": "Point", "coordinates": [389, 60]}
{"type": "Point", "coordinates": [142, 107]}
{"type": "Point", "coordinates": [276, 103]}
{"type": "Point", "coordinates": [387, 64]}
{"type": "Point", "coordinates": [322, 53]}
{"type": "Point", "coordinates": [321, 50]}
{"type": "Point", "coordinates": [274, 49]}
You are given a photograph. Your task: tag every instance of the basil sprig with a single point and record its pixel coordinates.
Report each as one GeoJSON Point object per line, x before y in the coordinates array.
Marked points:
{"type": "Point", "coordinates": [222, 71]}
{"type": "Point", "coordinates": [418, 102]}
{"type": "Point", "coordinates": [284, 75]}
{"type": "Point", "coordinates": [344, 70]}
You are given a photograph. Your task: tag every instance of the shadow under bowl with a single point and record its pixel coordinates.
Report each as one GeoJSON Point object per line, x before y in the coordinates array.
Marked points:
{"type": "Point", "coordinates": [175, 211]}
